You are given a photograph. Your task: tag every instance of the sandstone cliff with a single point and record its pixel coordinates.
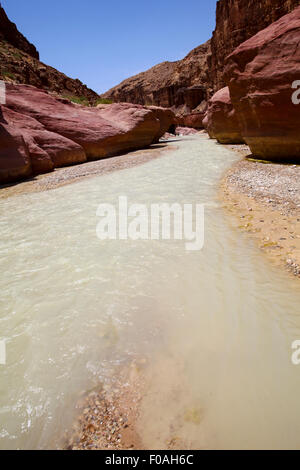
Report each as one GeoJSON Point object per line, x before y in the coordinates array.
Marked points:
{"type": "Point", "coordinates": [10, 34]}
{"type": "Point", "coordinates": [19, 63]}
{"type": "Point", "coordinates": [178, 84]}
{"type": "Point", "coordinates": [260, 74]}
{"type": "Point", "coordinates": [185, 83]}
{"type": "Point", "coordinates": [237, 21]}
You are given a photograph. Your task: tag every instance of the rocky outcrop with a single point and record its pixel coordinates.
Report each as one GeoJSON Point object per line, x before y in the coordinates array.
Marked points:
{"type": "Point", "coordinates": [260, 74]}
{"type": "Point", "coordinates": [18, 67]}
{"type": "Point", "coordinates": [237, 21]}
{"type": "Point", "coordinates": [39, 132]}
{"type": "Point", "coordinates": [185, 83]}
{"type": "Point", "coordinates": [170, 84]}
{"type": "Point", "coordinates": [10, 34]}
{"type": "Point", "coordinates": [185, 131]}
{"type": "Point", "coordinates": [192, 120]}
{"type": "Point", "coordinates": [47, 150]}
{"type": "Point", "coordinates": [19, 63]}
{"type": "Point", "coordinates": [167, 121]}
{"type": "Point", "coordinates": [15, 160]}
{"type": "Point", "coordinates": [221, 120]}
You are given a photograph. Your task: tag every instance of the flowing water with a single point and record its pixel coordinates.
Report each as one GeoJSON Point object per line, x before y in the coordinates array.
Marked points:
{"type": "Point", "coordinates": [216, 325]}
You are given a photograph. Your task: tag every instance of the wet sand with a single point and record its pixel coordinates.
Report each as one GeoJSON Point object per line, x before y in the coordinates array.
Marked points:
{"type": "Point", "coordinates": [265, 200]}
{"type": "Point", "coordinates": [72, 174]}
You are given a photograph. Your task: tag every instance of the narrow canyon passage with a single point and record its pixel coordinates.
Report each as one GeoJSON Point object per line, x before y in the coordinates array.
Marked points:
{"type": "Point", "coordinates": [215, 326]}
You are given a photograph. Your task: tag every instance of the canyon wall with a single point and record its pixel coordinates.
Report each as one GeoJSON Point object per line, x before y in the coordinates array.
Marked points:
{"type": "Point", "coordinates": [262, 75]}
{"type": "Point", "coordinates": [19, 63]}
{"type": "Point", "coordinates": [237, 21]}
{"type": "Point", "coordinates": [186, 83]}
{"type": "Point", "coordinates": [179, 84]}
{"type": "Point", "coordinates": [10, 34]}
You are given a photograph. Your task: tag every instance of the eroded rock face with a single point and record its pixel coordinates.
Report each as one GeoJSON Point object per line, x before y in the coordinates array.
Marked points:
{"type": "Point", "coordinates": [19, 63]}
{"type": "Point", "coordinates": [15, 163]}
{"type": "Point", "coordinates": [195, 78]}
{"type": "Point", "coordinates": [185, 131]}
{"type": "Point", "coordinates": [167, 121]}
{"type": "Point", "coordinates": [168, 84]}
{"type": "Point", "coordinates": [260, 74]}
{"type": "Point", "coordinates": [10, 34]}
{"type": "Point", "coordinates": [100, 132]}
{"type": "Point", "coordinates": [40, 132]}
{"type": "Point", "coordinates": [192, 120]}
{"type": "Point", "coordinates": [236, 22]}
{"type": "Point", "coordinates": [221, 121]}
{"type": "Point", "coordinates": [47, 150]}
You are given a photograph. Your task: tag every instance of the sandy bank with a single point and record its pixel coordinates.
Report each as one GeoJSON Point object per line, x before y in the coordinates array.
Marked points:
{"type": "Point", "coordinates": [265, 199]}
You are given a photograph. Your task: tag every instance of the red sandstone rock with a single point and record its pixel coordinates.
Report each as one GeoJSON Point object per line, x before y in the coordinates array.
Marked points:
{"type": "Point", "coordinates": [15, 161]}
{"type": "Point", "coordinates": [221, 121]}
{"type": "Point", "coordinates": [167, 121]}
{"type": "Point", "coordinates": [43, 132]}
{"type": "Point", "coordinates": [193, 120]}
{"type": "Point", "coordinates": [260, 74]}
{"type": "Point", "coordinates": [47, 149]}
{"type": "Point", "coordinates": [100, 132]}
{"type": "Point", "coordinates": [237, 21]}
{"type": "Point", "coordinates": [185, 131]}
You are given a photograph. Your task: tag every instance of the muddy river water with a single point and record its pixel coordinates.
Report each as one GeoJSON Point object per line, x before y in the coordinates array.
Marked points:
{"type": "Point", "coordinates": [215, 326]}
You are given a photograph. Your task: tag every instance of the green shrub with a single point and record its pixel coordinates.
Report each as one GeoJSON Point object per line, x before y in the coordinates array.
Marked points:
{"type": "Point", "coordinates": [78, 100]}
{"type": "Point", "coordinates": [7, 74]}
{"type": "Point", "coordinates": [103, 101]}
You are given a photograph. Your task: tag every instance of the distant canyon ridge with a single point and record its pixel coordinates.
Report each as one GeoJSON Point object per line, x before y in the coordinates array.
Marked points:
{"type": "Point", "coordinates": [20, 64]}
{"type": "Point", "coordinates": [187, 84]}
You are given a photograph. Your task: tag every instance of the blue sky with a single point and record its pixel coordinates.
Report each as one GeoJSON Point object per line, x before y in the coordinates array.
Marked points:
{"type": "Point", "coordinates": [102, 42]}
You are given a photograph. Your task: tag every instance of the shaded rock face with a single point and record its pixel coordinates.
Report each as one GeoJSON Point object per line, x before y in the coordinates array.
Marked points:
{"type": "Point", "coordinates": [19, 63]}
{"type": "Point", "coordinates": [39, 132]}
{"type": "Point", "coordinates": [167, 121]}
{"type": "Point", "coordinates": [185, 131]}
{"type": "Point", "coordinates": [10, 34]}
{"type": "Point", "coordinates": [193, 120]}
{"type": "Point", "coordinates": [15, 160]}
{"type": "Point", "coordinates": [237, 21]}
{"type": "Point", "coordinates": [260, 74]}
{"type": "Point", "coordinates": [221, 120]}
{"type": "Point", "coordinates": [170, 84]}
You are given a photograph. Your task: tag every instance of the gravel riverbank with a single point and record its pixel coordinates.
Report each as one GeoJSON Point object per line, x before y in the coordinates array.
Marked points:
{"type": "Point", "coordinates": [265, 198]}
